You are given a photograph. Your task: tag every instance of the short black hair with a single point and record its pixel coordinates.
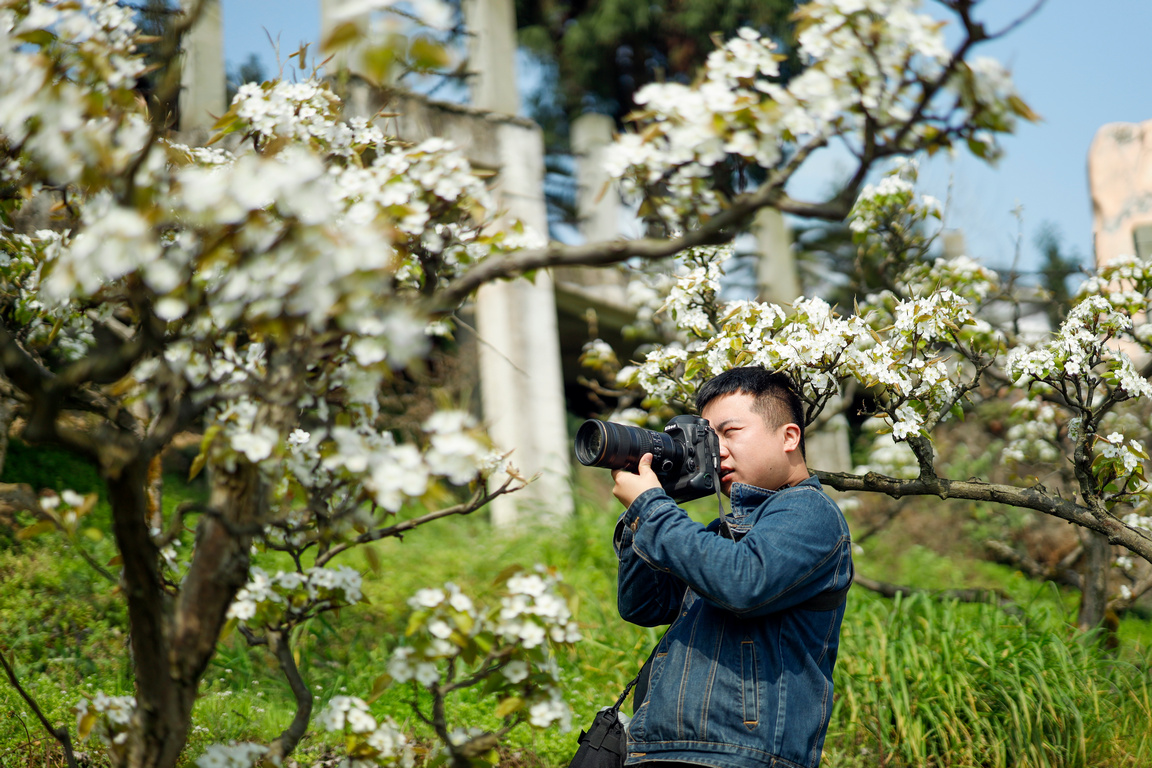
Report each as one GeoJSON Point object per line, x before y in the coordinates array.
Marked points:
{"type": "Point", "coordinates": [775, 396]}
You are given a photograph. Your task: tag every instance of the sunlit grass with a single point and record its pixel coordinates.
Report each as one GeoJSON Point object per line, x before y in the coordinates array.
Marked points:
{"type": "Point", "coordinates": [920, 682]}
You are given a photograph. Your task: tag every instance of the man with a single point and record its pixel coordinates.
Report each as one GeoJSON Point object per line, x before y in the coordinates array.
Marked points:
{"type": "Point", "coordinates": [743, 676]}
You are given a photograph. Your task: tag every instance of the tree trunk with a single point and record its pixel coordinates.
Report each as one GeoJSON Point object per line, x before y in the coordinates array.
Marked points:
{"type": "Point", "coordinates": [1094, 593]}
{"type": "Point", "coordinates": [7, 416]}
{"type": "Point", "coordinates": [149, 616]}
{"type": "Point", "coordinates": [174, 639]}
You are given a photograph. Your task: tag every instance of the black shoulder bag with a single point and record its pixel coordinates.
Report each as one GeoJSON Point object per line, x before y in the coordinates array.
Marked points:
{"type": "Point", "coordinates": [603, 745]}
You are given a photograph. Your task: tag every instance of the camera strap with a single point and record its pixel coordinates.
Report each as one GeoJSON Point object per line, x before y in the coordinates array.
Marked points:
{"type": "Point", "coordinates": [726, 531]}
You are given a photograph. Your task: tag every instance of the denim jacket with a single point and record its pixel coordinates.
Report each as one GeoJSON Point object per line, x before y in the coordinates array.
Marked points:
{"type": "Point", "coordinates": [742, 677]}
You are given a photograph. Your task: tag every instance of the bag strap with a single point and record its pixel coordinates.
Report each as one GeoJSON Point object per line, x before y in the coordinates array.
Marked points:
{"type": "Point", "coordinates": [825, 601]}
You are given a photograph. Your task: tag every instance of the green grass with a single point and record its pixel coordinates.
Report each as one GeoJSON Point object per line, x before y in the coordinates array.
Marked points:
{"type": "Point", "coordinates": [920, 682]}
{"type": "Point", "coordinates": [930, 683]}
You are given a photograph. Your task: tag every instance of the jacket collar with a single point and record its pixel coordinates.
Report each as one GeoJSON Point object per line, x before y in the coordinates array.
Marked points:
{"type": "Point", "coordinates": [745, 497]}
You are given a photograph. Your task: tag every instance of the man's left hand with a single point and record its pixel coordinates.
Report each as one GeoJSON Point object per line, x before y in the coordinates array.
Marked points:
{"type": "Point", "coordinates": [629, 485]}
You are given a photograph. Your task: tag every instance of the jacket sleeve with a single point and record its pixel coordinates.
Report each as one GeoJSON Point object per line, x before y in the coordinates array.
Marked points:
{"type": "Point", "coordinates": [797, 549]}
{"type": "Point", "coordinates": [644, 595]}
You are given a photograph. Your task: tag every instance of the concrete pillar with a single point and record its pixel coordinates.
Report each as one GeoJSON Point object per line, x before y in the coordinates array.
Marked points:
{"type": "Point", "coordinates": [347, 57]}
{"type": "Point", "coordinates": [203, 91]}
{"type": "Point", "coordinates": [521, 382]}
{"type": "Point", "coordinates": [827, 446]}
{"type": "Point", "coordinates": [955, 244]}
{"type": "Point", "coordinates": [777, 277]}
{"type": "Point", "coordinates": [1120, 180]}
{"type": "Point", "coordinates": [597, 201]}
{"type": "Point", "coordinates": [492, 54]}
{"type": "Point", "coordinates": [598, 206]}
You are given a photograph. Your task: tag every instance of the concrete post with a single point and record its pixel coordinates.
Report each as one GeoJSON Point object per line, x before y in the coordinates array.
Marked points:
{"type": "Point", "coordinates": [521, 382]}
{"type": "Point", "coordinates": [779, 283]}
{"type": "Point", "coordinates": [597, 202]}
{"type": "Point", "coordinates": [598, 206]}
{"type": "Point", "coordinates": [828, 446]}
{"type": "Point", "coordinates": [492, 54]}
{"type": "Point", "coordinates": [203, 90]}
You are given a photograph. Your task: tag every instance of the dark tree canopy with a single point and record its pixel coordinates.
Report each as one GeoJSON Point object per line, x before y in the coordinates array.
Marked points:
{"type": "Point", "coordinates": [601, 52]}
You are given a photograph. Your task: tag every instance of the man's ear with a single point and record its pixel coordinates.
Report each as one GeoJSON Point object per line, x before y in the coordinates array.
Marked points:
{"type": "Point", "coordinates": [792, 435]}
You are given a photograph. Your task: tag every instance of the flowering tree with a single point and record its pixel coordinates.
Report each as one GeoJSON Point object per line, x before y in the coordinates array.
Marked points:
{"type": "Point", "coordinates": [925, 353]}
{"type": "Point", "coordinates": [264, 294]}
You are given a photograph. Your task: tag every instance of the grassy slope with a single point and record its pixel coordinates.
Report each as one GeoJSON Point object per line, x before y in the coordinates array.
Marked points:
{"type": "Point", "coordinates": [919, 682]}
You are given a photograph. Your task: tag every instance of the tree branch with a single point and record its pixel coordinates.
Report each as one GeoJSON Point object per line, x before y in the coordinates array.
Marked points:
{"type": "Point", "coordinates": [1036, 498]}
{"type": "Point", "coordinates": [287, 741]}
{"type": "Point", "coordinates": [480, 499]}
{"type": "Point", "coordinates": [1004, 554]}
{"type": "Point", "coordinates": [721, 228]}
{"type": "Point", "coordinates": [60, 734]}
{"type": "Point", "coordinates": [962, 595]}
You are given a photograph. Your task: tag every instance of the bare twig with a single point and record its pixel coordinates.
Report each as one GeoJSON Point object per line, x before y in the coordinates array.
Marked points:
{"type": "Point", "coordinates": [893, 511]}
{"type": "Point", "coordinates": [60, 734]}
{"type": "Point", "coordinates": [1004, 554]}
{"type": "Point", "coordinates": [287, 741]}
{"type": "Point", "coordinates": [962, 595]}
{"type": "Point", "coordinates": [480, 499]}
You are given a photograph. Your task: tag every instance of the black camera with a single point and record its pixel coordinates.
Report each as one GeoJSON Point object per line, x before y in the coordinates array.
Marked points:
{"type": "Point", "coordinates": [685, 456]}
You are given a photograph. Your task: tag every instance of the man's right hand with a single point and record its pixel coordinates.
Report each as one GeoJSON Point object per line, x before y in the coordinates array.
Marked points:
{"type": "Point", "coordinates": [629, 485]}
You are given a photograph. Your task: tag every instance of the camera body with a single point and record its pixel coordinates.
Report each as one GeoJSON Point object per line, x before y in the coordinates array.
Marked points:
{"type": "Point", "coordinates": [685, 456]}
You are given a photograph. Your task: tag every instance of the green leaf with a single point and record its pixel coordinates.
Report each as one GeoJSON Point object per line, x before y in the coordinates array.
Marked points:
{"type": "Point", "coordinates": [428, 54]}
{"type": "Point", "coordinates": [485, 641]}
{"type": "Point", "coordinates": [85, 725]}
{"type": "Point", "coordinates": [379, 685]}
{"type": "Point", "coordinates": [508, 706]}
{"type": "Point", "coordinates": [44, 526]}
{"type": "Point", "coordinates": [342, 36]}
{"type": "Point", "coordinates": [41, 37]}
{"type": "Point", "coordinates": [415, 621]}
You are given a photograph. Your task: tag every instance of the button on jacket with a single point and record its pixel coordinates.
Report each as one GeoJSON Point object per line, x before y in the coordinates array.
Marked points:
{"type": "Point", "coordinates": [742, 677]}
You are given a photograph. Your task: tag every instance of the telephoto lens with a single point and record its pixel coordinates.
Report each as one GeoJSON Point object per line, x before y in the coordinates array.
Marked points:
{"type": "Point", "coordinates": [618, 446]}
{"type": "Point", "coordinates": [685, 456]}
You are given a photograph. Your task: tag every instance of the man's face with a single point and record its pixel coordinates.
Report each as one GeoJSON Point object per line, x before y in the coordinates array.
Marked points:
{"type": "Point", "coordinates": [750, 451]}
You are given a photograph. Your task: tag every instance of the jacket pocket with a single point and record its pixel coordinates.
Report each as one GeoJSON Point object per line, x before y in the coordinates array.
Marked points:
{"type": "Point", "coordinates": [750, 684]}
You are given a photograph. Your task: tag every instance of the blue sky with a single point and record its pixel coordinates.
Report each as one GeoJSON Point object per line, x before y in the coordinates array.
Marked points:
{"type": "Point", "coordinates": [1079, 65]}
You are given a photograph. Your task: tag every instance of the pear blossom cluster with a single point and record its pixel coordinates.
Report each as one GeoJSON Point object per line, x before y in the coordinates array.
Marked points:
{"type": "Point", "coordinates": [1035, 437]}
{"type": "Point", "coordinates": [1126, 282]}
{"type": "Point", "coordinates": [1123, 456]}
{"type": "Point", "coordinates": [47, 113]}
{"type": "Point", "coordinates": [371, 743]}
{"type": "Point", "coordinates": [598, 354]}
{"type": "Point", "coordinates": [303, 112]}
{"type": "Point", "coordinates": [269, 600]}
{"type": "Point", "coordinates": [533, 611]}
{"type": "Point", "coordinates": [394, 472]}
{"type": "Point", "coordinates": [235, 755]}
{"type": "Point", "coordinates": [895, 193]}
{"type": "Point", "coordinates": [697, 288]}
{"type": "Point", "coordinates": [108, 718]}
{"type": "Point", "coordinates": [818, 348]}
{"type": "Point", "coordinates": [885, 455]}
{"type": "Point", "coordinates": [1082, 344]}
{"type": "Point", "coordinates": [446, 625]}
{"type": "Point", "coordinates": [867, 63]}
